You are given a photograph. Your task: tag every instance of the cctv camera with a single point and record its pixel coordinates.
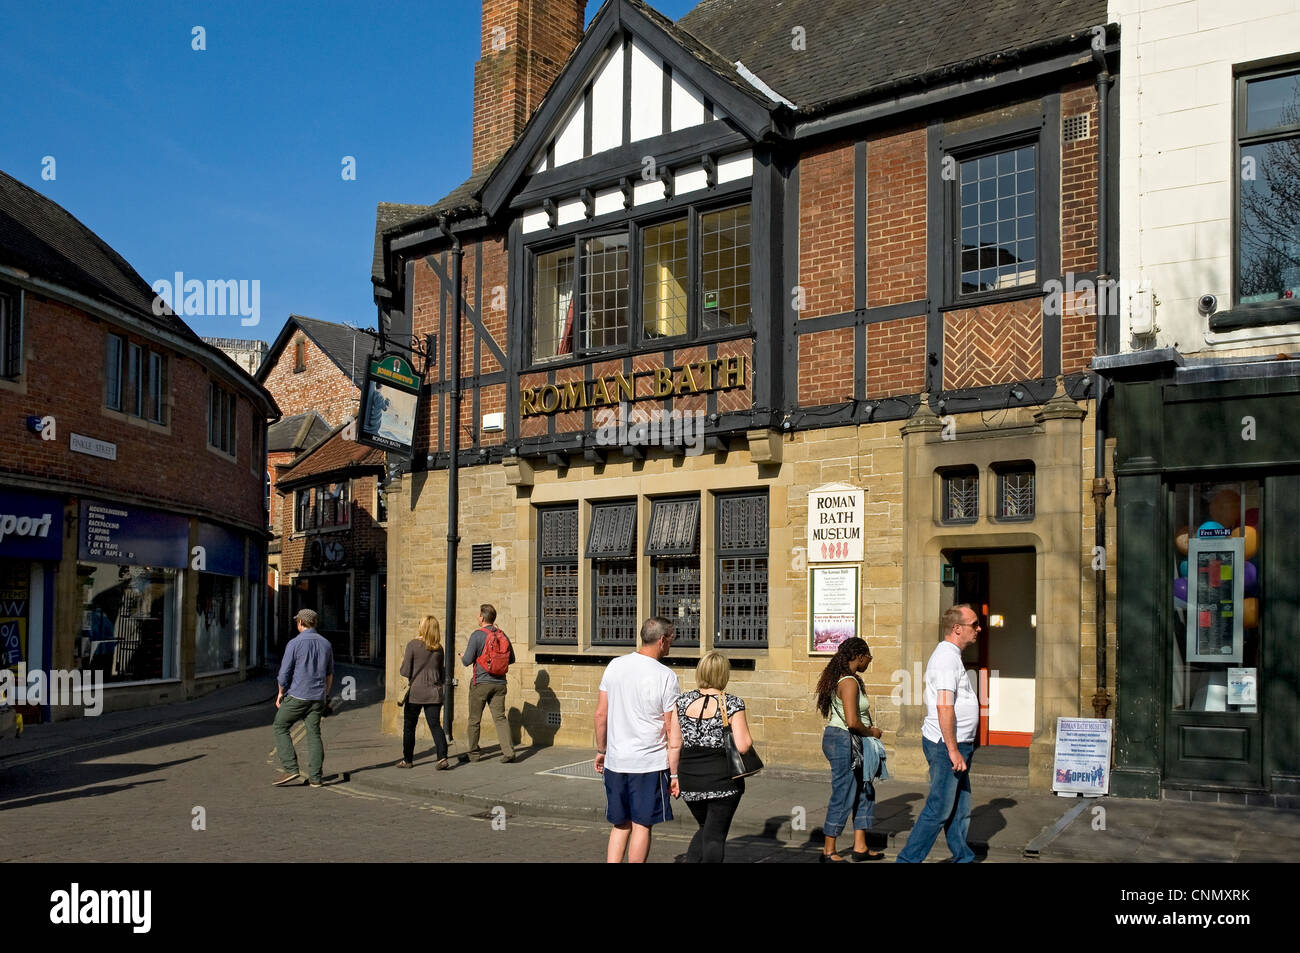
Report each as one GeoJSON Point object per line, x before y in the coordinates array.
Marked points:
{"type": "Point", "coordinates": [1207, 304]}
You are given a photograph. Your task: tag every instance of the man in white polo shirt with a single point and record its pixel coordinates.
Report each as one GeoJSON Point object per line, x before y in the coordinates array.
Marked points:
{"type": "Point", "coordinates": [636, 693]}
{"type": "Point", "coordinates": [952, 713]}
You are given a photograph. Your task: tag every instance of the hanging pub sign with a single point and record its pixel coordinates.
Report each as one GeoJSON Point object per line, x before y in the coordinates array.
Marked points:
{"type": "Point", "coordinates": [387, 418]}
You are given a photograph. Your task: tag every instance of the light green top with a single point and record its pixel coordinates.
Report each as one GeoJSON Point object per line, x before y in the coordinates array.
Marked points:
{"type": "Point", "coordinates": [837, 709]}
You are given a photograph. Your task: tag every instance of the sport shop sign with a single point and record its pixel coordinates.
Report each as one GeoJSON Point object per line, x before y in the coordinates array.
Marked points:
{"type": "Point", "coordinates": [835, 525]}
{"type": "Point", "coordinates": [699, 377]}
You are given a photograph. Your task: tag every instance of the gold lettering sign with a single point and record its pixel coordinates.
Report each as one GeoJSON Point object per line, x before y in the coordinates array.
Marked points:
{"type": "Point", "coordinates": [698, 377]}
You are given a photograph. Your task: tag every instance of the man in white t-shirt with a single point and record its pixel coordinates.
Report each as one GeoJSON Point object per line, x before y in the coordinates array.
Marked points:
{"type": "Point", "coordinates": [952, 713]}
{"type": "Point", "coordinates": [636, 693]}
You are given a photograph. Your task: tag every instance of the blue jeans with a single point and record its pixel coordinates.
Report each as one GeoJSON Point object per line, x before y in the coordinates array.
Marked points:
{"type": "Point", "coordinates": [947, 806]}
{"type": "Point", "coordinates": [850, 794]}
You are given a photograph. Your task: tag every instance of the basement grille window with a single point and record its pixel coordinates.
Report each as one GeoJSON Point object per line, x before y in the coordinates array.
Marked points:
{"type": "Point", "coordinates": [1076, 128]}
{"type": "Point", "coordinates": [481, 557]}
{"type": "Point", "coordinates": [557, 584]}
{"type": "Point", "coordinates": [961, 493]}
{"type": "Point", "coordinates": [1015, 491]}
{"type": "Point", "coordinates": [742, 563]}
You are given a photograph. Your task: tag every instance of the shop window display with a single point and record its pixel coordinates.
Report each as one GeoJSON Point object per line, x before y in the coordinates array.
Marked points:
{"type": "Point", "coordinates": [216, 627]}
{"type": "Point", "coordinates": [129, 621]}
{"type": "Point", "coordinates": [1218, 559]}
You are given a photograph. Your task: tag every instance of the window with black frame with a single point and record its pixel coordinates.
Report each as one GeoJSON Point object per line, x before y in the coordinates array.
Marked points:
{"type": "Point", "coordinates": [1268, 139]}
{"type": "Point", "coordinates": [673, 545]}
{"type": "Point", "coordinates": [960, 501]}
{"type": "Point", "coordinates": [1015, 490]}
{"type": "Point", "coordinates": [997, 218]}
{"type": "Point", "coordinates": [584, 300]}
{"type": "Point", "coordinates": [742, 570]}
{"type": "Point", "coordinates": [611, 547]}
{"type": "Point", "coordinates": [11, 333]}
{"type": "Point", "coordinates": [557, 575]}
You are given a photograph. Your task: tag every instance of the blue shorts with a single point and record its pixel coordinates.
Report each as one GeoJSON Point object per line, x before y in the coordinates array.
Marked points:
{"type": "Point", "coordinates": [640, 798]}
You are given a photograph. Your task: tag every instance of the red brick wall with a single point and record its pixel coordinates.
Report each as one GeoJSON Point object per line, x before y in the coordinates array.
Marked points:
{"type": "Point", "coordinates": [525, 44]}
{"type": "Point", "coordinates": [826, 367]}
{"type": "Point", "coordinates": [896, 217]}
{"type": "Point", "coordinates": [896, 357]}
{"type": "Point", "coordinates": [826, 230]}
{"type": "Point", "coordinates": [322, 387]}
{"type": "Point", "coordinates": [1078, 226]}
{"type": "Point", "coordinates": [65, 375]}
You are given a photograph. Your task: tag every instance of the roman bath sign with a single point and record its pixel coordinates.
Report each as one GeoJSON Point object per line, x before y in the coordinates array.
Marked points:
{"type": "Point", "coordinates": [835, 524]}
{"type": "Point", "coordinates": [697, 377]}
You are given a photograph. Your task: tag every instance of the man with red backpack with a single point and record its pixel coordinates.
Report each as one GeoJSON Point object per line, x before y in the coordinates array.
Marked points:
{"type": "Point", "coordinates": [491, 654]}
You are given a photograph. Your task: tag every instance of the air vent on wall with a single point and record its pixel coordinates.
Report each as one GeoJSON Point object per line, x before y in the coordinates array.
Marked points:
{"type": "Point", "coordinates": [481, 557]}
{"type": "Point", "coordinates": [1076, 128]}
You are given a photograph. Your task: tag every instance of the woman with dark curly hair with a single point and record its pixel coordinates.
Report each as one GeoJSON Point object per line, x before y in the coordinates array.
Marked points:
{"type": "Point", "coordinates": [842, 699]}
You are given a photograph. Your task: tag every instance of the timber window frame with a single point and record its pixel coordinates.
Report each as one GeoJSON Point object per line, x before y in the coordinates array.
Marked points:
{"type": "Point", "coordinates": [559, 275]}
{"type": "Point", "coordinates": [223, 408]}
{"type": "Point", "coordinates": [1250, 139]}
{"type": "Point", "coordinates": [135, 380]}
{"type": "Point", "coordinates": [324, 507]}
{"type": "Point", "coordinates": [11, 332]}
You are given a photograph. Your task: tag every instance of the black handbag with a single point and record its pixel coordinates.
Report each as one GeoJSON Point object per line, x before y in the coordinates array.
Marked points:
{"type": "Point", "coordinates": [742, 765]}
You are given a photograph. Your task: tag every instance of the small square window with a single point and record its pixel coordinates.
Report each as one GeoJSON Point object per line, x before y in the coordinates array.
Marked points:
{"type": "Point", "coordinates": [1015, 490]}
{"type": "Point", "coordinates": [961, 494]}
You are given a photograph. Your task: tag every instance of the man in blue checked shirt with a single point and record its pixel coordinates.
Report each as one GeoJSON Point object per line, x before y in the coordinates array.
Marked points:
{"type": "Point", "coordinates": [306, 675]}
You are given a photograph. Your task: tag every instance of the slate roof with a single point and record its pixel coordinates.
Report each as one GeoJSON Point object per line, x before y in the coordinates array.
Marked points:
{"type": "Point", "coordinates": [332, 456]}
{"type": "Point", "coordinates": [349, 349]}
{"type": "Point", "coordinates": [45, 240]}
{"type": "Point", "coordinates": [856, 46]}
{"type": "Point", "coordinates": [297, 433]}
{"type": "Point", "coordinates": [394, 217]}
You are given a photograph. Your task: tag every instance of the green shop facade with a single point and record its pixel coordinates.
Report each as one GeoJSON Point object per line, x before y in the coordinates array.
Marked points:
{"type": "Point", "coordinates": [1207, 478]}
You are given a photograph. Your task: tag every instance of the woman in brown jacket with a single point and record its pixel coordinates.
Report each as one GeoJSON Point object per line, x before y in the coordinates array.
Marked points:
{"type": "Point", "coordinates": [423, 665]}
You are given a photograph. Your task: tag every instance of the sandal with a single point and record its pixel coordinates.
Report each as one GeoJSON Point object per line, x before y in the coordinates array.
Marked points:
{"type": "Point", "coordinates": [444, 765]}
{"type": "Point", "coordinates": [404, 764]}
{"type": "Point", "coordinates": [825, 858]}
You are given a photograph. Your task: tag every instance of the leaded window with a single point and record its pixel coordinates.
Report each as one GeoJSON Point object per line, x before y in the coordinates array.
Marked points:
{"type": "Point", "coordinates": [557, 585]}
{"type": "Point", "coordinates": [724, 271]}
{"type": "Point", "coordinates": [674, 545]}
{"type": "Point", "coordinates": [742, 570]}
{"type": "Point", "coordinates": [605, 291]}
{"type": "Point", "coordinates": [961, 491]}
{"type": "Point", "coordinates": [1015, 491]}
{"type": "Point", "coordinates": [665, 279]}
{"type": "Point", "coordinates": [998, 218]}
{"type": "Point", "coordinates": [611, 546]}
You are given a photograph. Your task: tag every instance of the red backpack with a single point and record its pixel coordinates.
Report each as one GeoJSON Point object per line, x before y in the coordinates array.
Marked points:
{"type": "Point", "coordinates": [495, 657]}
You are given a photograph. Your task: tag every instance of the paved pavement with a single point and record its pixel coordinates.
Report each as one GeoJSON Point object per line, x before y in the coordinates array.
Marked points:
{"type": "Point", "coordinates": [130, 786]}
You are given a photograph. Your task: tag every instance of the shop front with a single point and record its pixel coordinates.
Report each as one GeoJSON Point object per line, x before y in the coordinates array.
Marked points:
{"type": "Point", "coordinates": [31, 546]}
{"type": "Point", "coordinates": [1208, 491]}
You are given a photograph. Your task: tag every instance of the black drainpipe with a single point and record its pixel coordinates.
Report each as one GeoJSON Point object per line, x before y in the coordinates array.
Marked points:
{"type": "Point", "coordinates": [1100, 485]}
{"type": "Point", "coordinates": [452, 372]}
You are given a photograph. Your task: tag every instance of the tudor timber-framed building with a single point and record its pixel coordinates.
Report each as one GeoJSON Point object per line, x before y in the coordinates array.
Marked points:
{"type": "Point", "coordinates": [847, 280]}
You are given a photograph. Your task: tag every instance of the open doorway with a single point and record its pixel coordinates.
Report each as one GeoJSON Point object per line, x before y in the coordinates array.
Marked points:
{"type": "Point", "coordinates": [1001, 586]}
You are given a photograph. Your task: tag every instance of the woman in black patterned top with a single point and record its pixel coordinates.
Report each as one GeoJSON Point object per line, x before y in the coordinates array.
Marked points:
{"type": "Point", "coordinates": [704, 780]}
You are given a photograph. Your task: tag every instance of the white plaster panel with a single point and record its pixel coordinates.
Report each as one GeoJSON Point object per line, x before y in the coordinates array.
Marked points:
{"type": "Point", "coordinates": [688, 105]}
{"type": "Point", "coordinates": [568, 144]}
{"type": "Point", "coordinates": [738, 166]}
{"type": "Point", "coordinates": [690, 179]}
{"type": "Point", "coordinates": [1213, 14]}
{"type": "Point", "coordinates": [1176, 20]}
{"type": "Point", "coordinates": [607, 103]}
{"type": "Point", "coordinates": [1173, 244]}
{"type": "Point", "coordinates": [610, 200]}
{"type": "Point", "coordinates": [1212, 238]}
{"type": "Point", "coordinates": [534, 221]}
{"type": "Point", "coordinates": [1170, 170]}
{"type": "Point", "coordinates": [643, 193]}
{"type": "Point", "coordinates": [570, 211]}
{"type": "Point", "coordinates": [1188, 205]}
{"type": "Point", "coordinates": [1179, 129]}
{"type": "Point", "coordinates": [1216, 162]}
{"type": "Point", "coordinates": [647, 93]}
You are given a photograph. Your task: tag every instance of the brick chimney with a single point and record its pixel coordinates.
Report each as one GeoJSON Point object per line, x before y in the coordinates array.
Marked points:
{"type": "Point", "coordinates": [525, 44]}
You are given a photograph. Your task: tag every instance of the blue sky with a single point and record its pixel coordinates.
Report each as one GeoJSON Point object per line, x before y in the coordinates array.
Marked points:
{"type": "Point", "coordinates": [226, 163]}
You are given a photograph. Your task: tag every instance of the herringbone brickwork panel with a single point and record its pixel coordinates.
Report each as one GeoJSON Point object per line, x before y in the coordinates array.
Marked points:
{"type": "Point", "coordinates": [995, 344]}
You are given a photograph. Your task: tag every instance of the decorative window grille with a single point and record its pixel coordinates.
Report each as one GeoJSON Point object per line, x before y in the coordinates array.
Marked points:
{"type": "Point", "coordinates": [961, 493]}
{"type": "Point", "coordinates": [674, 542]}
{"type": "Point", "coordinates": [742, 570]}
{"type": "Point", "coordinates": [611, 545]}
{"type": "Point", "coordinates": [557, 587]}
{"type": "Point", "coordinates": [1015, 491]}
{"type": "Point", "coordinates": [480, 559]}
